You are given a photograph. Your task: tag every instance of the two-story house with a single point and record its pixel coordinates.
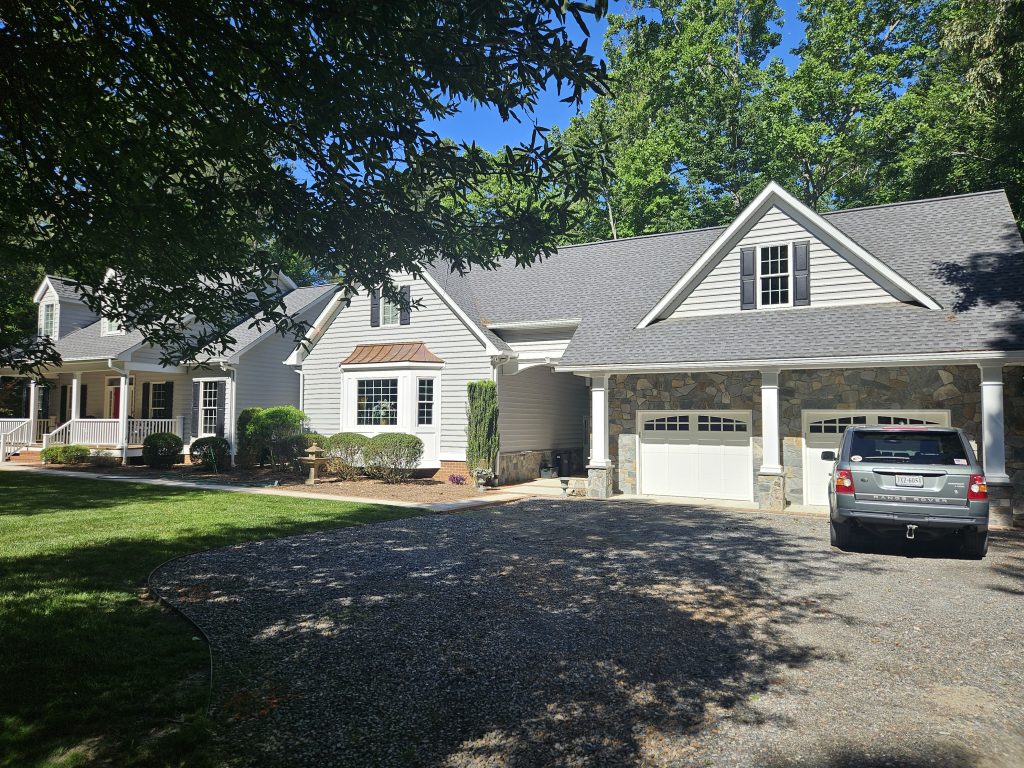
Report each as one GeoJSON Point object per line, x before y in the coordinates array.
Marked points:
{"type": "Point", "coordinates": [708, 364]}
{"type": "Point", "coordinates": [112, 390]}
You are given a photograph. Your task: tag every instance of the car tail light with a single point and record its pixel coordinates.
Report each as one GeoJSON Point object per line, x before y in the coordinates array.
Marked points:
{"type": "Point", "coordinates": [844, 481]}
{"type": "Point", "coordinates": [978, 489]}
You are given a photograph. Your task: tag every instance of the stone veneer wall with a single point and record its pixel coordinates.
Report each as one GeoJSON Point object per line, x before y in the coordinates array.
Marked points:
{"type": "Point", "coordinates": [523, 466]}
{"type": "Point", "coordinates": [955, 388]}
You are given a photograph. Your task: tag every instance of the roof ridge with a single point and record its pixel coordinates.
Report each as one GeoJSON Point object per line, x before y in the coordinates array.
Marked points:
{"type": "Point", "coordinates": [996, 191]}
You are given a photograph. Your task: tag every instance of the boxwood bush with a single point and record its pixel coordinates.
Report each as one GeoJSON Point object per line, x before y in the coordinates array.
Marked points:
{"type": "Point", "coordinates": [211, 453]}
{"type": "Point", "coordinates": [275, 432]}
{"type": "Point", "coordinates": [65, 454]}
{"type": "Point", "coordinates": [344, 454]}
{"type": "Point", "coordinates": [392, 456]}
{"type": "Point", "coordinates": [161, 450]}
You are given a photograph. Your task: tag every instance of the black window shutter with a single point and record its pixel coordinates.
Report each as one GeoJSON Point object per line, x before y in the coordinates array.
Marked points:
{"type": "Point", "coordinates": [748, 279]}
{"type": "Point", "coordinates": [221, 388]}
{"type": "Point", "coordinates": [63, 404]}
{"type": "Point", "coordinates": [168, 412]}
{"type": "Point", "coordinates": [196, 394]}
{"type": "Point", "coordinates": [145, 400]}
{"type": "Point", "coordinates": [83, 395]}
{"type": "Point", "coordinates": [406, 309]}
{"type": "Point", "coordinates": [375, 308]}
{"type": "Point", "coordinates": [802, 274]}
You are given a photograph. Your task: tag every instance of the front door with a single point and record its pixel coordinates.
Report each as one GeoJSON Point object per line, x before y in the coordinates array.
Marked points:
{"type": "Point", "coordinates": [823, 431]}
{"type": "Point", "coordinates": [113, 405]}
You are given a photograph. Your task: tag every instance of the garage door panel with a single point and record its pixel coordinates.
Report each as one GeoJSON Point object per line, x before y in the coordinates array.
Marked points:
{"type": "Point", "coordinates": [823, 431]}
{"type": "Point", "coordinates": [707, 454]}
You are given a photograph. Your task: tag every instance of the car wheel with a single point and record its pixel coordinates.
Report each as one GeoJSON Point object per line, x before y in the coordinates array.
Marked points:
{"type": "Point", "coordinates": [975, 544]}
{"type": "Point", "coordinates": [840, 534]}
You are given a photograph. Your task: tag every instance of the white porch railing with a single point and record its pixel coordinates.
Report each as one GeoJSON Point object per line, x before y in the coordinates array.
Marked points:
{"type": "Point", "coordinates": [15, 434]}
{"type": "Point", "coordinates": [107, 432]}
{"type": "Point", "coordinates": [42, 427]}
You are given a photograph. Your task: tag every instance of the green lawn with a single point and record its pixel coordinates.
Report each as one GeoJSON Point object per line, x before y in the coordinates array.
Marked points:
{"type": "Point", "coordinates": [90, 671]}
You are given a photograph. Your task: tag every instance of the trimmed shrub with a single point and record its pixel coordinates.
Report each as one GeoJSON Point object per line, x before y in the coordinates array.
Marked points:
{"type": "Point", "coordinates": [482, 438]}
{"type": "Point", "coordinates": [275, 429]}
{"type": "Point", "coordinates": [211, 453]}
{"type": "Point", "coordinates": [161, 450]}
{"type": "Point", "coordinates": [392, 456]}
{"type": "Point", "coordinates": [344, 453]}
{"type": "Point", "coordinates": [65, 454]}
{"type": "Point", "coordinates": [249, 449]}
{"type": "Point", "coordinates": [104, 459]}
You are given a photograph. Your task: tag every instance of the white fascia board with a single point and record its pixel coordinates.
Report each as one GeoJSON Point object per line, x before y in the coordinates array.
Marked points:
{"type": "Point", "coordinates": [319, 327]}
{"type": "Point", "coordinates": [526, 325]}
{"type": "Point", "coordinates": [41, 290]}
{"type": "Point", "coordinates": [463, 317]}
{"type": "Point", "coordinates": [883, 361]}
{"type": "Point", "coordinates": [396, 366]}
{"type": "Point", "coordinates": [775, 195]}
{"type": "Point", "coordinates": [235, 356]}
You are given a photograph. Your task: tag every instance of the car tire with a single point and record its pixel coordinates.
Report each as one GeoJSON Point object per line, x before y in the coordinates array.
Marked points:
{"type": "Point", "coordinates": [975, 545]}
{"type": "Point", "coordinates": [840, 534]}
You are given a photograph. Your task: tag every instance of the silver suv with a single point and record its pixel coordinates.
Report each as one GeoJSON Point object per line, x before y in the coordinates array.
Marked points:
{"type": "Point", "coordinates": [912, 481]}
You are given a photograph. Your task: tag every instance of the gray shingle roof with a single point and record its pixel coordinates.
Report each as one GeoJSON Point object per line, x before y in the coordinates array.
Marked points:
{"type": "Point", "coordinates": [87, 343]}
{"type": "Point", "coordinates": [964, 251]}
{"type": "Point", "coordinates": [64, 288]}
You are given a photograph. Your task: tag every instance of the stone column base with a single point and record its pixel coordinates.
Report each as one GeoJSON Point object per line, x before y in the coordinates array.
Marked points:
{"type": "Point", "coordinates": [600, 482]}
{"type": "Point", "coordinates": [1001, 509]}
{"type": "Point", "coordinates": [771, 492]}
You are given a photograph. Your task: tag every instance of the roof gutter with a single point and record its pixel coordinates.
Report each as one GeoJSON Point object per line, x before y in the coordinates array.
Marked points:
{"type": "Point", "coordinates": [569, 322]}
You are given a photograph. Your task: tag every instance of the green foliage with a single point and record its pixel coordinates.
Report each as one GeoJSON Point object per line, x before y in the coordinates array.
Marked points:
{"type": "Point", "coordinates": [392, 456]}
{"type": "Point", "coordinates": [249, 450]}
{"type": "Point", "coordinates": [482, 438]}
{"type": "Point", "coordinates": [241, 172]}
{"type": "Point", "coordinates": [276, 432]}
{"type": "Point", "coordinates": [344, 453]}
{"type": "Point", "coordinates": [74, 632]}
{"type": "Point", "coordinates": [211, 453]}
{"type": "Point", "coordinates": [104, 459]}
{"type": "Point", "coordinates": [161, 450]}
{"type": "Point", "coordinates": [65, 454]}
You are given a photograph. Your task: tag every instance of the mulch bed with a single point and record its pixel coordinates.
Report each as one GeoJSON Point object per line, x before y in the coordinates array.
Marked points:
{"type": "Point", "coordinates": [425, 490]}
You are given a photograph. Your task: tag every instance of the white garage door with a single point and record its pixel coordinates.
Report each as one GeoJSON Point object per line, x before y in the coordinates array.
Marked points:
{"type": "Point", "coordinates": [823, 431]}
{"type": "Point", "coordinates": [704, 454]}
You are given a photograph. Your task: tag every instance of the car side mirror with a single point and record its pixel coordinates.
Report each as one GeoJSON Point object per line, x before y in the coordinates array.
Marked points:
{"type": "Point", "coordinates": [828, 455]}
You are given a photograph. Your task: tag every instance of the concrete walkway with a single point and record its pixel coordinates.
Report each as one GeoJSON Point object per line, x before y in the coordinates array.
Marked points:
{"type": "Point", "coordinates": [490, 499]}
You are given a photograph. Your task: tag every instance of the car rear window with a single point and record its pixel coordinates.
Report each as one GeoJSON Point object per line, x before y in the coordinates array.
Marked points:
{"type": "Point", "coordinates": [908, 448]}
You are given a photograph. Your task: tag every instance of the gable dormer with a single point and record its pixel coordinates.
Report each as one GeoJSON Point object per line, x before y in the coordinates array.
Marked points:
{"type": "Point", "coordinates": [779, 254]}
{"type": "Point", "coordinates": [61, 309]}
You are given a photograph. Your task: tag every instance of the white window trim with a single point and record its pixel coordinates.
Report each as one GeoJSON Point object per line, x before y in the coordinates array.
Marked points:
{"type": "Point", "coordinates": [202, 408]}
{"type": "Point", "coordinates": [386, 305]}
{"type": "Point", "coordinates": [433, 401]}
{"type": "Point", "coordinates": [149, 405]}
{"type": "Point", "coordinates": [106, 330]}
{"type": "Point", "coordinates": [788, 275]}
{"type": "Point", "coordinates": [52, 306]}
{"type": "Point", "coordinates": [228, 399]}
{"type": "Point", "coordinates": [408, 375]}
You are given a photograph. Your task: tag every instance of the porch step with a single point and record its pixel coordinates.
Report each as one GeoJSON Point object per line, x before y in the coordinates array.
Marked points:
{"type": "Point", "coordinates": [26, 457]}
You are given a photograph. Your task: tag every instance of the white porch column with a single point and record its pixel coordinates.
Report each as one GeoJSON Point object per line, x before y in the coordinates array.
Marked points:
{"type": "Point", "coordinates": [993, 433]}
{"type": "Point", "coordinates": [122, 418]}
{"type": "Point", "coordinates": [76, 385]}
{"type": "Point", "coordinates": [598, 422]}
{"type": "Point", "coordinates": [771, 463]}
{"type": "Point", "coordinates": [33, 409]}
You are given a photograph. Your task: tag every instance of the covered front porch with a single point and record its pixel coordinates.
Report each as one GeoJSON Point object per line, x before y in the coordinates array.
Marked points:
{"type": "Point", "coordinates": [110, 410]}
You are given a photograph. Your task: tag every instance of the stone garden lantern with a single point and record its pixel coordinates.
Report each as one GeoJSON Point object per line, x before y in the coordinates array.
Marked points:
{"type": "Point", "coordinates": [314, 459]}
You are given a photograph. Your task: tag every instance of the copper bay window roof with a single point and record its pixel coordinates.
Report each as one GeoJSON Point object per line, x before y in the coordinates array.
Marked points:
{"type": "Point", "coordinates": [403, 352]}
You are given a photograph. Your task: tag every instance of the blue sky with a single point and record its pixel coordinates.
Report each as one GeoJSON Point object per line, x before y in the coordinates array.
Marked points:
{"type": "Point", "coordinates": [486, 128]}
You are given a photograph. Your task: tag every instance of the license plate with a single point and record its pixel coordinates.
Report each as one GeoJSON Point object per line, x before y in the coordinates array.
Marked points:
{"type": "Point", "coordinates": [910, 481]}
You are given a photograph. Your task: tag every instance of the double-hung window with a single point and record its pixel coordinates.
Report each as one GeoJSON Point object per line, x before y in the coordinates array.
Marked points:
{"type": "Point", "coordinates": [774, 275]}
{"type": "Point", "coordinates": [208, 408]}
{"type": "Point", "coordinates": [46, 324]}
{"type": "Point", "coordinates": [425, 402]}
{"type": "Point", "coordinates": [390, 314]}
{"type": "Point", "coordinates": [109, 327]}
{"type": "Point", "coordinates": [158, 400]}
{"type": "Point", "coordinates": [377, 402]}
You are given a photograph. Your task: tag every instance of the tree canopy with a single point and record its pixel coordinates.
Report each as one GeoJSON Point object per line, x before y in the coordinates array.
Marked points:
{"type": "Point", "coordinates": [888, 100]}
{"type": "Point", "coordinates": [172, 156]}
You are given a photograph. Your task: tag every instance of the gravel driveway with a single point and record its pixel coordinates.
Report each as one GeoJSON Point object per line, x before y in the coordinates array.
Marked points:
{"type": "Point", "coordinates": [564, 633]}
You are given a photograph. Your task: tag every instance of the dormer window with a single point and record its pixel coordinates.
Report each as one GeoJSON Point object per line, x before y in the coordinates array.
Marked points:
{"type": "Point", "coordinates": [109, 327]}
{"type": "Point", "coordinates": [47, 320]}
{"type": "Point", "coordinates": [773, 275]}
{"type": "Point", "coordinates": [390, 314]}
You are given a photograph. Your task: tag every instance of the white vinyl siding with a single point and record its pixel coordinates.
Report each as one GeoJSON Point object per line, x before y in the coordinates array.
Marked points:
{"type": "Point", "coordinates": [434, 324]}
{"type": "Point", "coordinates": [539, 343]}
{"type": "Point", "coordinates": [541, 410]}
{"type": "Point", "coordinates": [834, 280]}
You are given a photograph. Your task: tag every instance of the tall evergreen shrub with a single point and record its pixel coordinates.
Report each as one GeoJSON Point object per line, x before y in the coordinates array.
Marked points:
{"type": "Point", "coordinates": [482, 438]}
